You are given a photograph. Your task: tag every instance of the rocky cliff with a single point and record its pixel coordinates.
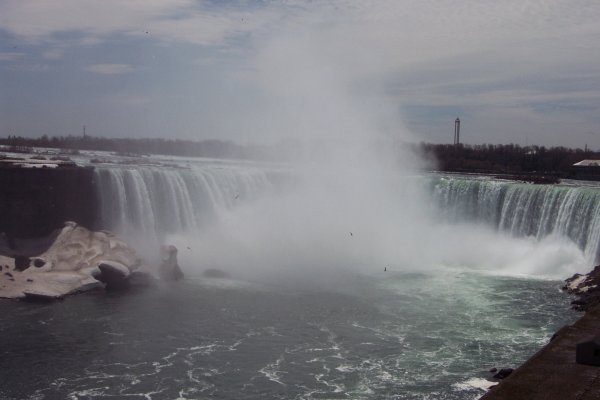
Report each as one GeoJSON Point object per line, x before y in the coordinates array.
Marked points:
{"type": "Point", "coordinates": [36, 201]}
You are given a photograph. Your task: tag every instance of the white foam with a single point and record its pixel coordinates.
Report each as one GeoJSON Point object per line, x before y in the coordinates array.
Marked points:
{"type": "Point", "coordinates": [271, 372]}
{"type": "Point", "coordinates": [345, 368]}
{"type": "Point", "coordinates": [474, 383]}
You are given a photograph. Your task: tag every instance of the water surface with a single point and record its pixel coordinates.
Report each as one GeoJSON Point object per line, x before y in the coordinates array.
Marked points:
{"type": "Point", "coordinates": [393, 335]}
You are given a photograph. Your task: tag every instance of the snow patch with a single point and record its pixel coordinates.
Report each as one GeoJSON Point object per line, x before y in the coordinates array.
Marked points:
{"type": "Point", "coordinates": [573, 285]}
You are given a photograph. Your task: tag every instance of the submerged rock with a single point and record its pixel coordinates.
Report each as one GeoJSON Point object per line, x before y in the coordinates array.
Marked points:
{"type": "Point", "coordinates": [503, 373]}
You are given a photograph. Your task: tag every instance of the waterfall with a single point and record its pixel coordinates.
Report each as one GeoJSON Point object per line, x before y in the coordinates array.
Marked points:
{"type": "Point", "coordinates": [524, 209]}
{"type": "Point", "coordinates": [156, 200]}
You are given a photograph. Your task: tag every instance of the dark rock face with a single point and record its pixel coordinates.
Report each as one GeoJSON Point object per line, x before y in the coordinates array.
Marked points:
{"type": "Point", "coordinates": [37, 201]}
{"type": "Point", "coordinates": [503, 373]}
{"type": "Point", "coordinates": [21, 263]}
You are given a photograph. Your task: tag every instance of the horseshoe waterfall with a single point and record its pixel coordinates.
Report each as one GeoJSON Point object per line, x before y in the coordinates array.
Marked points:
{"type": "Point", "coordinates": [165, 200]}
{"type": "Point", "coordinates": [305, 283]}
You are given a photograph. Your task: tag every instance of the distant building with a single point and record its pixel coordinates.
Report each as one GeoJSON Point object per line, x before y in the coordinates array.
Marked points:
{"type": "Point", "coordinates": [586, 169]}
{"type": "Point", "coordinates": [587, 163]}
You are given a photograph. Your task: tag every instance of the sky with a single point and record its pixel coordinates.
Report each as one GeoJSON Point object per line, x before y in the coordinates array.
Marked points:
{"type": "Point", "coordinates": [525, 71]}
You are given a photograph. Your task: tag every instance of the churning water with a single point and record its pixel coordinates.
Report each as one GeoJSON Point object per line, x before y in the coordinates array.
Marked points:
{"type": "Point", "coordinates": [393, 334]}
{"type": "Point", "coordinates": [360, 293]}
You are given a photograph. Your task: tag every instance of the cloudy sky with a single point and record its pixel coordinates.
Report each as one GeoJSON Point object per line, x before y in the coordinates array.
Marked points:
{"type": "Point", "coordinates": [524, 71]}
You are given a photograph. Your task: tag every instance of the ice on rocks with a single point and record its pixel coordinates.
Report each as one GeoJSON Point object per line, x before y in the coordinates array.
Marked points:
{"type": "Point", "coordinates": [73, 263]}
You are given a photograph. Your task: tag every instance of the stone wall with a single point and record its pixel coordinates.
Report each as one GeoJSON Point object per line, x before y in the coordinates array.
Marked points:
{"type": "Point", "coordinates": [36, 201]}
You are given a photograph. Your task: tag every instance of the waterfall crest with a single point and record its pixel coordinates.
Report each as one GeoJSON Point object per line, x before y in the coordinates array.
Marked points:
{"type": "Point", "coordinates": [524, 209]}
{"type": "Point", "coordinates": [160, 200]}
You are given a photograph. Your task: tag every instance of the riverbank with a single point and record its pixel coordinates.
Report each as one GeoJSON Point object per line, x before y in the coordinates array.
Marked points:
{"type": "Point", "coordinates": [552, 373]}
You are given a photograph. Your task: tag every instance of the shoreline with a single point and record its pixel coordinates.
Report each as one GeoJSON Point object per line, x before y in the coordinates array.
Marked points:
{"type": "Point", "coordinates": [552, 372]}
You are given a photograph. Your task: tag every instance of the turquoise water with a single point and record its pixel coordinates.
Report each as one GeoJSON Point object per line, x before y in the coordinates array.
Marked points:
{"type": "Point", "coordinates": [340, 334]}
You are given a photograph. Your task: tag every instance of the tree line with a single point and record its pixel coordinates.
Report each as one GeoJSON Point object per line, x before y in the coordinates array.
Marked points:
{"type": "Point", "coordinates": [507, 158]}
{"type": "Point", "coordinates": [485, 158]}
{"type": "Point", "coordinates": [178, 147]}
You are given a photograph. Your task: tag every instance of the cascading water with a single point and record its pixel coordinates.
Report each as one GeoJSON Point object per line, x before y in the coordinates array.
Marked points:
{"type": "Point", "coordinates": [156, 200]}
{"type": "Point", "coordinates": [521, 209]}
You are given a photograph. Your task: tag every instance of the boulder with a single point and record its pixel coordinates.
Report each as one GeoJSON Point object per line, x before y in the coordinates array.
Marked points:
{"type": "Point", "coordinates": [503, 373]}
{"type": "Point", "coordinates": [169, 269]}
{"type": "Point", "coordinates": [38, 262]}
{"type": "Point", "coordinates": [113, 274]}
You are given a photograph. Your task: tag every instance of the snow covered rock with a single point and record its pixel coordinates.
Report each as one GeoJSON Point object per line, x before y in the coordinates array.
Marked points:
{"type": "Point", "coordinates": [586, 287]}
{"type": "Point", "coordinates": [78, 260]}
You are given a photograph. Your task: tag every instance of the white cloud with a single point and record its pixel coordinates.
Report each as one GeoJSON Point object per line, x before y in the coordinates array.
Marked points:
{"type": "Point", "coordinates": [319, 57]}
{"type": "Point", "coordinates": [53, 54]}
{"type": "Point", "coordinates": [127, 100]}
{"type": "Point", "coordinates": [189, 21]}
{"type": "Point", "coordinates": [10, 56]}
{"type": "Point", "coordinates": [31, 67]}
{"type": "Point", "coordinates": [110, 69]}
{"type": "Point", "coordinates": [39, 20]}
{"type": "Point", "coordinates": [388, 35]}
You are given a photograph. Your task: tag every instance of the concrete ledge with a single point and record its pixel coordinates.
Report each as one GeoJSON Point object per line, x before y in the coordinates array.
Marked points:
{"type": "Point", "coordinates": [552, 372]}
